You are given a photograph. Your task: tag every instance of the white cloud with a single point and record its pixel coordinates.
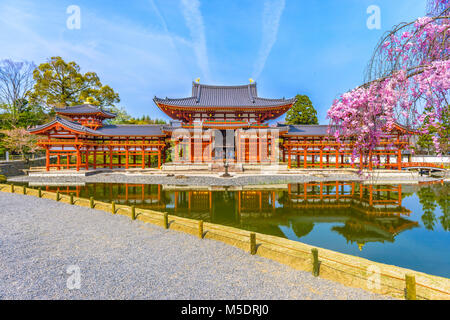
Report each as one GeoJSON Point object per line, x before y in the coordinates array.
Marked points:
{"type": "Point", "coordinates": [194, 21]}
{"type": "Point", "coordinates": [273, 9]}
{"type": "Point", "coordinates": [136, 61]}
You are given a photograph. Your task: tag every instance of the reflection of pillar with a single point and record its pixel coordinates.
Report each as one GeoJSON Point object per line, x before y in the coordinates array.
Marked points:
{"type": "Point", "coordinates": [370, 195]}
{"type": "Point", "coordinates": [189, 200]}
{"type": "Point", "coordinates": [159, 192]}
{"type": "Point", "coordinates": [239, 202]}
{"type": "Point", "coordinates": [273, 200]}
{"type": "Point", "coordinates": [321, 185]}
{"type": "Point", "coordinates": [337, 190]}
{"type": "Point", "coordinates": [176, 200]}
{"type": "Point", "coordinates": [210, 200]}
{"type": "Point", "coordinates": [260, 200]}
{"type": "Point", "coordinates": [400, 195]}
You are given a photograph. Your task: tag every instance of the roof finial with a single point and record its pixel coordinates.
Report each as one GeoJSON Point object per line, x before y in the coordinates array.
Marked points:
{"type": "Point", "coordinates": [197, 80]}
{"type": "Point", "coordinates": [251, 80]}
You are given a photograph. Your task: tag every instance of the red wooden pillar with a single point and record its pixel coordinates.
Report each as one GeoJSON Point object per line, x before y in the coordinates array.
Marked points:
{"type": "Point", "coordinates": [399, 159]}
{"type": "Point", "coordinates": [78, 158]}
{"type": "Point", "coordinates": [87, 160]}
{"type": "Point", "coordinates": [47, 159]}
{"type": "Point", "coordinates": [337, 158]}
{"type": "Point", "coordinates": [58, 161]}
{"type": "Point", "coordinates": [95, 159]}
{"type": "Point", "coordinates": [143, 158]}
{"type": "Point", "coordinates": [305, 158]}
{"type": "Point", "coordinates": [110, 157]}
{"type": "Point", "coordinates": [126, 157]}
{"type": "Point", "coordinates": [159, 159]}
{"type": "Point", "coordinates": [289, 157]}
{"type": "Point", "coordinates": [321, 157]}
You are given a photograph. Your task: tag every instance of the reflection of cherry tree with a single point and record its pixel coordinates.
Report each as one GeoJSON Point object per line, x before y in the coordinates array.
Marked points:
{"type": "Point", "coordinates": [427, 200]}
{"type": "Point", "coordinates": [408, 82]}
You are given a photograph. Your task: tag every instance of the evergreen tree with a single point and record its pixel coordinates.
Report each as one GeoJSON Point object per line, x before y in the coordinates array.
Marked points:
{"type": "Point", "coordinates": [302, 112]}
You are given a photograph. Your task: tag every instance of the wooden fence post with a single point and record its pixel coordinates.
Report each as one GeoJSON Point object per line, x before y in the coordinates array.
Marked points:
{"type": "Point", "coordinates": [91, 202]}
{"type": "Point", "coordinates": [40, 192]}
{"type": "Point", "coordinates": [410, 287]}
{"type": "Point", "coordinates": [113, 207]}
{"type": "Point", "coordinates": [12, 188]}
{"type": "Point", "coordinates": [200, 229]}
{"type": "Point", "coordinates": [57, 195]}
{"type": "Point", "coordinates": [252, 243]}
{"type": "Point", "coordinates": [71, 198]}
{"type": "Point", "coordinates": [24, 190]}
{"type": "Point", "coordinates": [315, 262]}
{"type": "Point", "coordinates": [166, 220]}
{"type": "Point", "coordinates": [133, 212]}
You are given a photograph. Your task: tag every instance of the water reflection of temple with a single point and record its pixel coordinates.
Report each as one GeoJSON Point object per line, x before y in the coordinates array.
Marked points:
{"type": "Point", "coordinates": [360, 213]}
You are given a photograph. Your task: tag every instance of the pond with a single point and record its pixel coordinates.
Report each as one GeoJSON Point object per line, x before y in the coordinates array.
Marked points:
{"type": "Point", "coordinates": [403, 225]}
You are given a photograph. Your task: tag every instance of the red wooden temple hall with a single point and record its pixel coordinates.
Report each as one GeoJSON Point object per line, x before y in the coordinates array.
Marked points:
{"type": "Point", "coordinates": [218, 123]}
{"type": "Point", "coordinates": [214, 124]}
{"type": "Point", "coordinates": [79, 138]}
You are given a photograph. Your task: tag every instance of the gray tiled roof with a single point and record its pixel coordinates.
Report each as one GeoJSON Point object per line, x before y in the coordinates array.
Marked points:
{"type": "Point", "coordinates": [131, 130]}
{"type": "Point", "coordinates": [208, 96]}
{"type": "Point", "coordinates": [69, 124]}
{"type": "Point", "coordinates": [306, 130]}
{"type": "Point", "coordinates": [108, 130]}
{"type": "Point", "coordinates": [84, 109]}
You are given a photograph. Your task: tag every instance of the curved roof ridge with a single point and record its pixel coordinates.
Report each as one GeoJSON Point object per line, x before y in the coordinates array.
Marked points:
{"type": "Point", "coordinates": [215, 86]}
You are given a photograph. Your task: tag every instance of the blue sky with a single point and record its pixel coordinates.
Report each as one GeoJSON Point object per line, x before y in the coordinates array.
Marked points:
{"type": "Point", "coordinates": [145, 48]}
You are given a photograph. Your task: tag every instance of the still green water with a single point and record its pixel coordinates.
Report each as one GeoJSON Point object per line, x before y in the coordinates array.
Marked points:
{"type": "Point", "coordinates": [403, 225]}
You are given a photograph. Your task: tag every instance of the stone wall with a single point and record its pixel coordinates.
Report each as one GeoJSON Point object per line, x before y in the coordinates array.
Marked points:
{"type": "Point", "coordinates": [18, 167]}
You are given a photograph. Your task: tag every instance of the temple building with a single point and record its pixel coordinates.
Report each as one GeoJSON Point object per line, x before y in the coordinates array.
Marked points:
{"type": "Point", "coordinates": [224, 123]}
{"type": "Point", "coordinates": [216, 124]}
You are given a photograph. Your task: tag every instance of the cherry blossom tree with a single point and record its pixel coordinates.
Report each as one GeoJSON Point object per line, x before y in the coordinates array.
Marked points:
{"type": "Point", "coordinates": [19, 140]}
{"type": "Point", "coordinates": [407, 82]}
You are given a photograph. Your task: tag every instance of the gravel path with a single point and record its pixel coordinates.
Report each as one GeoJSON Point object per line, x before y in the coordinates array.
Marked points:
{"type": "Point", "coordinates": [123, 259]}
{"type": "Point", "coordinates": [210, 180]}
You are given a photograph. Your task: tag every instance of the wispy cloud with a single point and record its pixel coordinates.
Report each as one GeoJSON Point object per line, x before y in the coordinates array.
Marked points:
{"type": "Point", "coordinates": [273, 9]}
{"type": "Point", "coordinates": [194, 21]}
